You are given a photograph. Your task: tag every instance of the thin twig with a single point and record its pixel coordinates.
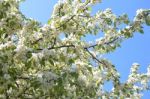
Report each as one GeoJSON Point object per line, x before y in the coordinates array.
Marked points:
{"type": "Point", "coordinates": [93, 56]}
{"type": "Point", "coordinates": [37, 41]}
{"type": "Point", "coordinates": [106, 43]}
{"type": "Point", "coordinates": [57, 47]}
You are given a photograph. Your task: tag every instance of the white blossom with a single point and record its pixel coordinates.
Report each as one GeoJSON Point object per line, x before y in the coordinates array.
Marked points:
{"type": "Point", "coordinates": [139, 11]}
{"type": "Point", "coordinates": [64, 18]}
{"type": "Point", "coordinates": [95, 1]}
{"type": "Point", "coordinates": [6, 45]}
{"type": "Point", "coordinates": [68, 66]}
{"type": "Point", "coordinates": [148, 71]}
{"type": "Point", "coordinates": [7, 76]}
{"type": "Point", "coordinates": [82, 79]}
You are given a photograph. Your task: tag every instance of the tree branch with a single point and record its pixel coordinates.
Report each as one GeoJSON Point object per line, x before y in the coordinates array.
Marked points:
{"type": "Point", "coordinates": [63, 46]}
{"type": "Point", "coordinates": [66, 22]}
{"type": "Point", "coordinates": [106, 43]}
{"type": "Point", "coordinates": [93, 56]}
{"type": "Point", "coordinates": [37, 41]}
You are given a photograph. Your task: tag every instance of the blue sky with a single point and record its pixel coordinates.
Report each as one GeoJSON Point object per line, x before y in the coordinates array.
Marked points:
{"type": "Point", "coordinates": [136, 49]}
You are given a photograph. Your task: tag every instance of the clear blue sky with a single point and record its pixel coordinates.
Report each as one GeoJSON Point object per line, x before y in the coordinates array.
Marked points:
{"type": "Point", "coordinates": [136, 49]}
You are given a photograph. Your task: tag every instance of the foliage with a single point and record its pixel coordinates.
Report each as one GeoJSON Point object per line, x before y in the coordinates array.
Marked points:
{"type": "Point", "coordinates": [36, 62]}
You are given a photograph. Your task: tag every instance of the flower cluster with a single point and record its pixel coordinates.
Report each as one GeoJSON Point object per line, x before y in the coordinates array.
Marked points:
{"type": "Point", "coordinates": [56, 61]}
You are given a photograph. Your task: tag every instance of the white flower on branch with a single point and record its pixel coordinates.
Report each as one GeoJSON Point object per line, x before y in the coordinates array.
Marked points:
{"type": "Point", "coordinates": [57, 61]}
{"type": "Point", "coordinates": [148, 71]}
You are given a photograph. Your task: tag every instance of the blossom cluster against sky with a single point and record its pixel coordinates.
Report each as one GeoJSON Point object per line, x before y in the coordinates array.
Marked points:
{"type": "Point", "coordinates": [136, 49]}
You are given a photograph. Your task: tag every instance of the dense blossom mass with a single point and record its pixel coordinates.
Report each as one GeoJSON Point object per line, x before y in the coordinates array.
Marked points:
{"type": "Point", "coordinates": [37, 62]}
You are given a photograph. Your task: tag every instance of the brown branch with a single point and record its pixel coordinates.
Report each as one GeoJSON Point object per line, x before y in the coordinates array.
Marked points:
{"type": "Point", "coordinates": [68, 46]}
{"type": "Point", "coordinates": [106, 43]}
{"type": "Point", "coordinates": [17, 84]}
{"type": "Point", "coordinates": [93, 56]}
{"type": "Point", "coordinates": [54, 42]}
{"type": "Point", "coordinates": [63, 46]}
{"type": "Point", "coordinates": [85, 48]}
{"type": "Point", "coordinates": [23, 78]}
{"type": "Point", "coordinates": [37, 41]}
{"type": "Point", "coordinates": [85, 16]}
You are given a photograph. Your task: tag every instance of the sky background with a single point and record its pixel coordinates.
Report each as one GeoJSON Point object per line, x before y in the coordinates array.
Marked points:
{"type": "Point", "coordinates": [136, 49]}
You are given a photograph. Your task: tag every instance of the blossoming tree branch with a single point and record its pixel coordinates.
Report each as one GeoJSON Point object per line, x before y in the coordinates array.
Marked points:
{"type": "Point", "coordinates": [36, 62]}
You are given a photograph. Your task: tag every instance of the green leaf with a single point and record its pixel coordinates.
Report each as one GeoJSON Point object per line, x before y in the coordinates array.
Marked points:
{"type": "Point", "coordinates": [28, 63]}
{"type": "Point", "coordinates": [74, 74]}
{"type": "Point", "coordinates": [109, 21]}
{"type": "Point", "coordinates": [60, 81]}
{"type": "Point", "coordinates": [42, 62]}
{"type": "Point", "coordinates": [49, 21]}
{"type": "Point", "coordinates": [89, 69]}
{"type": "Point", "coordinates": [141, 31]}
{"type": "Point", "coordinates": [89, 9]}
{"type": "Point", "coordinates": [148, 20]}
{"type": "Point", "coordinates": [71, 61]}
{"type": "Point", "coordinates": [2, 89]}
{"type": "Point", "coordinates": [51, 62]}
{"type": "Point", "coordinates": [35, 83]}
